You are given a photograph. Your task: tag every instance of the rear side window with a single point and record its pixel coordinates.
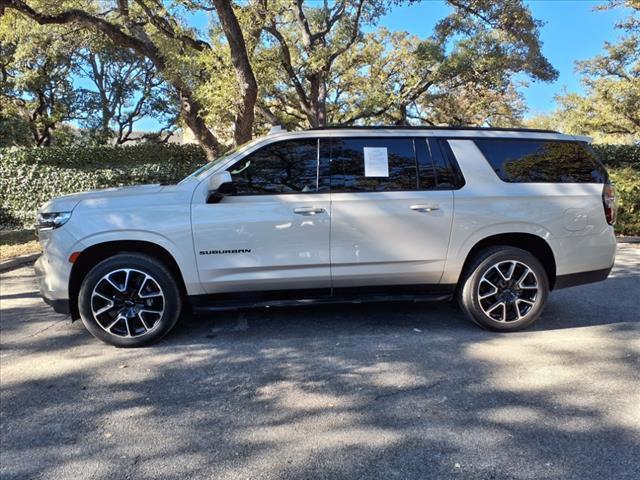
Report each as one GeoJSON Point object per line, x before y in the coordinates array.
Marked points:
{"type": "Point", "coordinates": [542, 161]}
{"type": "Point", "coordinates": [371, 164]}
{"type": "Point", "coordinates": [284, 167]}
{"type": "Point", "coordinates": [435, 165]}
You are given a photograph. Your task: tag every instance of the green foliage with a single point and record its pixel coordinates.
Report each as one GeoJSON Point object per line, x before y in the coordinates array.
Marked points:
{"type": "Point", "coordinates": [31, 176]}
{"type": "Point", "coordinates": [623, 164]}
{"type": "Point", "coordinates": [619, 155]}
{"type": "Point", "coordinates": [35, 76]}
{"type": "Point", "coordinates": [627, 181]}
{"type": "Point", "coordinates": [14, 131]}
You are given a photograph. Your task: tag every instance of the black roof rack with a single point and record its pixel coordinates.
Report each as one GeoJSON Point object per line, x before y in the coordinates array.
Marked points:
{"type": "Point", "coordinates": [414, 127]}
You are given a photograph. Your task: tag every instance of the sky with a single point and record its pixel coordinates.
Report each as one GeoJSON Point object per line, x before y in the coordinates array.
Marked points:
{"type": "Point", "coordinates": [572, 31]}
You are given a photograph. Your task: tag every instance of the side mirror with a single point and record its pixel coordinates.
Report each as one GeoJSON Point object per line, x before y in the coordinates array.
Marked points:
{"type": "Point", "coordinates": [220, 185]}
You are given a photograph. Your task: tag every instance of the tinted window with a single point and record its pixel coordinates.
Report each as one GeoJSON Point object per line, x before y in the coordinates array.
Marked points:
{"type": "Point", "coordinates": [347, 160]}
{"type": "Point", "coordinates": [435, 164]}
{"type": "Point", "coordinates": [542, 161]}
{"type": "Point", "coordinates": [284, 167]}
{"type": "Point", "coordinates": [426, 168]}
{"type": "Point", "coordinates": [447, 171]}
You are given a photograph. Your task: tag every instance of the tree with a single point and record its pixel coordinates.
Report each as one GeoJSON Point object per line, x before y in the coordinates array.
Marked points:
{"type": "Point", "coordinates": [124, 89]}
{"type": "Point", "coordinates": [471, 105]}
{"type": "Point", "coordinates": [14, 130]}
{"type": "Point", "coordinates": [309, 40]}
{"type": "Point", "coordinates": [609, 110]}
{"type": "Point", "coordinates": [153, 30]}
{"type": "Point", "coordinates": [312, 64]}
{"type": "Point", "coordinates": [35, 78]}
{"type": "Point", "coordinates": [332, 72]}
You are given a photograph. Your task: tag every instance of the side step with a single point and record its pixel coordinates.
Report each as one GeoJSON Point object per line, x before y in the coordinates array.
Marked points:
{"type": "Point", "coordinates": [205, 305]}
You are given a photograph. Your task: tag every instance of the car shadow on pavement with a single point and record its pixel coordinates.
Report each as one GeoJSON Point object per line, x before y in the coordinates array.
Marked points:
{"type": "Point", "coordinates": [311, 402]}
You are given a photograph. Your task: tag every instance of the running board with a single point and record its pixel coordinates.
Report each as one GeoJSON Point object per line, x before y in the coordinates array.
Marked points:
{"type": "Point", "coordinates": [203, 305]}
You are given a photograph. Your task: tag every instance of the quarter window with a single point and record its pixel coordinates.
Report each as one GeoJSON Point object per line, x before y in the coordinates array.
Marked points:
{"type": "Point", "coordinates": [435, 169]}
{"type": "Point", "coordinates": [542, 161]}
{"type": "Point", "coordinates": [284, 167]}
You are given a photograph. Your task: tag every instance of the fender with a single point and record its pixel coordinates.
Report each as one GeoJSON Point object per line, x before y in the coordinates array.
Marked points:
{"type": "Point", "coordinates": [184, 257]}
{"type": "Point", "coordinates": [459, 248]}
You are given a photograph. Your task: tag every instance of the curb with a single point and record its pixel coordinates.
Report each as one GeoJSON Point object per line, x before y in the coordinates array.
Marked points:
{"type": "Point", "coordinates": [628, 239]}
{"type": "Point", "coordinates": [17, 262]}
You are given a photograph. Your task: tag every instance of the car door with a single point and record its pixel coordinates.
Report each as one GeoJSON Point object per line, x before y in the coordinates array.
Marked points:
{"type": "Point", "coordinates": [272, 233]}
{"type": "Point", "coordinates": [390, 223]}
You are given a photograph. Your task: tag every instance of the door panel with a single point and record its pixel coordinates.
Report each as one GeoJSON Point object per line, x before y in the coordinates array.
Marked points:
{"type": "Point", "coordinates": [272, 247]}
{"type": "Point", "coordinates": [377, 238]}
{"type": "Point", "coordinates": [273, 232]}
{"type": "Point", "coordinates": [385, 230]}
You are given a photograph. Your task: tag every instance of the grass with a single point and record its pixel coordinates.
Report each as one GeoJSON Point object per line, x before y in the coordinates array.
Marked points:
{"type": "Point", "coordinates": [14, 243]}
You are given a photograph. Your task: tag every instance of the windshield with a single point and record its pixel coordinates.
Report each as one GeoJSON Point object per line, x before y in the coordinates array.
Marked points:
{"type": "Point", "coordinates": [207, 166]}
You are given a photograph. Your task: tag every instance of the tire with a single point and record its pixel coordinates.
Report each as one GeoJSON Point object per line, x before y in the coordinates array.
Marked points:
{"type": "Point", "coordinates": [129, 300]}
{"type": "Point", "coordinates": [498, 298]}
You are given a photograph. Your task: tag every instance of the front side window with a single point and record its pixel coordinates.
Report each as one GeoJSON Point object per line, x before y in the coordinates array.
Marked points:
{"type": "Point", "coordinates": [370, 164]}
{"type": "Point", "coordinates": [542, 161]}
{"type": "Point", "coordinates": [284, 167]}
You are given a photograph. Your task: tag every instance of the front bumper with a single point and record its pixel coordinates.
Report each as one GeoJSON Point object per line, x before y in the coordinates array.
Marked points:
{"type": "Point", "coordinates": [60, 305]}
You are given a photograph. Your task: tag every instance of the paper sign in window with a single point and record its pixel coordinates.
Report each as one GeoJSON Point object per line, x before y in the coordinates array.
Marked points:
{"type": "Point", "coordinates": [376, 162]}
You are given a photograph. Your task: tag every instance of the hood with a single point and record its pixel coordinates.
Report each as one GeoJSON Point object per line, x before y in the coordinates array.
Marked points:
{"type": "Point", "coordinates": [67, 203]}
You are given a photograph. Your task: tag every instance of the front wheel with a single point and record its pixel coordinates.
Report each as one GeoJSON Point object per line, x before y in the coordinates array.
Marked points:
{"type": "Point", "coordinates": [504, 289]}
{"type": "Point", "coordinates": [129, 300]}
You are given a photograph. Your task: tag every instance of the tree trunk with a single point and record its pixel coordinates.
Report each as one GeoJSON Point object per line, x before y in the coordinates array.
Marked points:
{"type": "Point", "coordinates": [243, 123]}
{"type": "Point", "coordinates": [402, 114]}
{"type": "Point", "coordinates": [189, 109]}
{"type": "Point", "coordinates": [322, 102]}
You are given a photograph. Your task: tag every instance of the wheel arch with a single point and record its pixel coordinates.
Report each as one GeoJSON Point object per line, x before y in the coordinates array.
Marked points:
{"type": "Point", "coordinates": [529, 242]}
{"type": "Point", "coordinates": [98, 252]}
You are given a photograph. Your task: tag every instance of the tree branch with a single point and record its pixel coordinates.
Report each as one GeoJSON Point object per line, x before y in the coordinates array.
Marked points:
{"type": "Point", "coordinates": [355, 33]}
{"type": "Point", "coordinates": [298, 12]}
{"type": "Point", "coordinates": [111, 30]}
{"type": "Point", "coordinates": [285, 56]}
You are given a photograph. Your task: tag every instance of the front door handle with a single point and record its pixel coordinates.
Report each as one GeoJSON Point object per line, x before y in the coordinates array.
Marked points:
{"type": "Point", "coordinates": [424, 208]}
{"type": "Point", "coordinates": [308, 210]}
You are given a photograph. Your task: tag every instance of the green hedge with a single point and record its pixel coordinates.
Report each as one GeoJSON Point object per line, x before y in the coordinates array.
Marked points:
{"type": "Point", "coordinates": [623, 164]}
{"type": "Point", "coordinates": [31, 176]}
{"type": "Point", "coordinates": [619, 155]}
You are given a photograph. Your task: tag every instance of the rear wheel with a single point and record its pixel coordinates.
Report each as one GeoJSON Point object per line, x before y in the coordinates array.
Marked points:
{"type": "Point", "coordinates": [504, 289]}
{"type": "Point", "coordinates": [129, 300]}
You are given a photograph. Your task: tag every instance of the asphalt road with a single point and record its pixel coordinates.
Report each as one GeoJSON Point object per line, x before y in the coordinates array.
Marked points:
{"type": "Point", "coordinates": [365, 391]}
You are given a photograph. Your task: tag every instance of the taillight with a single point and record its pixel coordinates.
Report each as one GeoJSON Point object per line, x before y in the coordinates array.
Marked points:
{"type": "Point", "coordinates": [609, 203]}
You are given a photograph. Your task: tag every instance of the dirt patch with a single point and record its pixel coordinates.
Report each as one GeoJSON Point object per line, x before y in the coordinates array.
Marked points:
{"type": "Point", "coordinates": [18, 242]}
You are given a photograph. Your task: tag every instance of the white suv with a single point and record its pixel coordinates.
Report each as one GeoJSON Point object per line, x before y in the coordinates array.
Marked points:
{"type": "Point", "coordinates": [496, 218]}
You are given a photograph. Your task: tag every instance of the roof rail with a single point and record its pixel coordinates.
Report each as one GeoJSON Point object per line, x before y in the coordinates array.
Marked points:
{"type": "Point", "coordinates": [414, 127]}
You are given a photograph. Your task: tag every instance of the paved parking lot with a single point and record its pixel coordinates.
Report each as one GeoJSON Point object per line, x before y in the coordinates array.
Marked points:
{"type": "Point", "coordinates": [361, 391]}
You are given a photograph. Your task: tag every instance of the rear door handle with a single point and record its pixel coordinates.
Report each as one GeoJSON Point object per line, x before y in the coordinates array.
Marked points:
{"type": "Point", "coordinates": [308, 210]}
{"type": "Point", "coordinates": [424, 208]}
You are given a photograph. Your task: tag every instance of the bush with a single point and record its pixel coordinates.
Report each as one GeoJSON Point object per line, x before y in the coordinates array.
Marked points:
{"type": "Point", "coordinates": [619, 155]}
{"type": "Point", "coordinates": [627, 181]}
{"type": "Point", "coordinates": [623, 164]}
{"type": "Point", "coordinates": [31, 176]}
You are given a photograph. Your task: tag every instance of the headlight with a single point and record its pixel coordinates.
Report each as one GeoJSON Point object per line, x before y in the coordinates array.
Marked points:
{"type": "Point", "coordinates": [51, 220]}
